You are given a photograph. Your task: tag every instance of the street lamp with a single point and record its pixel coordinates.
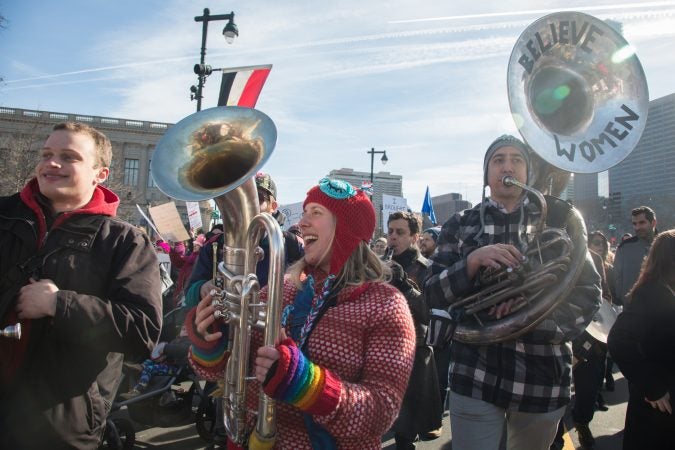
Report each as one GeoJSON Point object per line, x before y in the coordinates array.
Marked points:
{"type": "Point", "coordinates": [372, 153]}
{"type": "Point", "coordinates": [203, 70]}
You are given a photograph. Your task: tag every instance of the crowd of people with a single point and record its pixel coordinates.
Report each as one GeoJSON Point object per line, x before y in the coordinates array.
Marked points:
{"type": "Point", "coordinates": [353, 361]}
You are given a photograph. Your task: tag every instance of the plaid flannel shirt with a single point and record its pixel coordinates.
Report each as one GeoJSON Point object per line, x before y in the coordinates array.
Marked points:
{"type": "Point", "coordinates": [533, 372]}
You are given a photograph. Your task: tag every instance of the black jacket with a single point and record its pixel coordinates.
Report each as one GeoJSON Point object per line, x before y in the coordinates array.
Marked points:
{"type": "Point", "coordinates": [59, 380]}
{"type": "Point", "coordinates": [642, 343]}
{"type": "Point", "coordinates": [410, 284]}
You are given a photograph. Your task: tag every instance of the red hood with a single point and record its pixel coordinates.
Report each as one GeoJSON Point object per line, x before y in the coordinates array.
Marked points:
{"type": "Point", "coordinates": [103, 202]}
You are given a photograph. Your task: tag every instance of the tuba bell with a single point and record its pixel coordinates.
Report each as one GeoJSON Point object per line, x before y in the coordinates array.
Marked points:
{"type": "Point", "coordinates": [579, 97]}
{"type": "Point", "coordinates": [214, 154]}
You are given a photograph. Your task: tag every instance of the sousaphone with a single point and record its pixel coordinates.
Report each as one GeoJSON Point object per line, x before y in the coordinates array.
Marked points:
{"type": "Point", "coordinates": [579, 97]}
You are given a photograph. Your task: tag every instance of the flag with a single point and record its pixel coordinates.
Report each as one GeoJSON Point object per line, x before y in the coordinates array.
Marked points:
{"type": "Point", "coordinates": [241, 86]}
{"type": "Point", "coordinates": [428, 207]}
{"type": "Point", "coordinates": [367, 187]}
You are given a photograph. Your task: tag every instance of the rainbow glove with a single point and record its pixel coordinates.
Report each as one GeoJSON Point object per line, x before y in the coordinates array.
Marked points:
{"type": "Point", "coordinates": [211, 356]}
{"type": "Point", "coordinates": [296, 380]}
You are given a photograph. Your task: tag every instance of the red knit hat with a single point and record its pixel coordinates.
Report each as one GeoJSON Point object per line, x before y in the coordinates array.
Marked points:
{"type": "Point", "coordinates": [354, 214]}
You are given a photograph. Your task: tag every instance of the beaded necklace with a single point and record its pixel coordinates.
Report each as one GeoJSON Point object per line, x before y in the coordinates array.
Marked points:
{"type": "Point", "coordinates": [314, 310]}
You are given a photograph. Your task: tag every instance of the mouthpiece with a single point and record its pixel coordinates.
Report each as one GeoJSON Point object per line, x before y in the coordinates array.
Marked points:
{"type": "Point", "coordinates": [12, 331]}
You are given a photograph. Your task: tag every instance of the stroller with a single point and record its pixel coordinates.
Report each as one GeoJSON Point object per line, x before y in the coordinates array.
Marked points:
{"type": "Point", "coordinates": [165, 402]}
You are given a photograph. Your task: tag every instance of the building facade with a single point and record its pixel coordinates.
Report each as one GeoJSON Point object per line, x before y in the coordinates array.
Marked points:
{"type": "Point", "coordinates": [448, 204]}
{"type": "Point", "coordinates": [23, 132]}
{"type": "Point", "coordinates": [383, 183]}
{"type": "Point", "coordinates": [645, 177]}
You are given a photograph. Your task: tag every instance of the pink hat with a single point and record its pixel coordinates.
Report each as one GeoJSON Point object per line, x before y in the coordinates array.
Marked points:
{"type": "Point", "coordinates": [199, 240]}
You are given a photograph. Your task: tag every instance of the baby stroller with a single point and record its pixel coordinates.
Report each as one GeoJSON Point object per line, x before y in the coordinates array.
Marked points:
{"type": "Point", "coordinates": [165, 402]}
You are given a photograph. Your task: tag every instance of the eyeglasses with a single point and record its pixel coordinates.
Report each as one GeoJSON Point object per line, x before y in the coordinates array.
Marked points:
{"type": "Point", "coordinates": [598, 243]}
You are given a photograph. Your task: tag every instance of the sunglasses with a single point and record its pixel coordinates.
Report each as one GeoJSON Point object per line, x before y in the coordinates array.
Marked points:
{"type": "Point", "coordinates": [598, 243]}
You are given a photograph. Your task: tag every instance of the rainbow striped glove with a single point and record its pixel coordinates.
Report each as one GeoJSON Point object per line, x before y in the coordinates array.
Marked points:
{"type": "Point", "coordinates": [296, 380]}
{"type": "Point", "coordinates": [210, 357]}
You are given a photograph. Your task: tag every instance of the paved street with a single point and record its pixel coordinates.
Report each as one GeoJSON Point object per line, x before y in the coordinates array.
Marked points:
{"type": "Point", "coordinates": [606, 427]}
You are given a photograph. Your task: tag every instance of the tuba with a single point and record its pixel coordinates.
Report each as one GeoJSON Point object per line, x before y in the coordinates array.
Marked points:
{"type": "Point", "coordinates": [579, 97]}
{"type": "Point", "coordinates": [214, 154]}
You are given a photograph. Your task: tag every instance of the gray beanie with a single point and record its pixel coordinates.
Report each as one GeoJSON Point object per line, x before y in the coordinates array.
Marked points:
{"type": "Point", "coordinates": [434, 232]}
{"type": "Point", "coordinates": [504, 141]}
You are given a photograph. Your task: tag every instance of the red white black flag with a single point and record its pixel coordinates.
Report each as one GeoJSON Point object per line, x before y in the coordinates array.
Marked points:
{"type": "Point", "coordinates": [241, 86]}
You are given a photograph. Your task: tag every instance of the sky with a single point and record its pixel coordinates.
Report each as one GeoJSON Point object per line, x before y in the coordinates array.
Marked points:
{"type": "Point", "coordinates": [424, 80]}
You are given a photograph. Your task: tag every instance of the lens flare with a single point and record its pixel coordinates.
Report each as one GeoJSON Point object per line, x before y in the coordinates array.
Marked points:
{"type": "Point", "coordinates": [623, 54]}
{"type": "Point", "coordinates": [561, 92]}
{"type": "Point", "coordinates": [546, 102]}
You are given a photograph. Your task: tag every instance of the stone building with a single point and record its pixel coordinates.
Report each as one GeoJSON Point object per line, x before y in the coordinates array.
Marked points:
{"type": "Point", "coordinates": [23, 132]}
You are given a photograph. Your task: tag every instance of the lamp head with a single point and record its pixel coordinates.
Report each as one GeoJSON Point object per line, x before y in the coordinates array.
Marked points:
{"type": "Point", "coordinates": [230, 31]}
{"type": "Point", "coordinates": [384, 158]}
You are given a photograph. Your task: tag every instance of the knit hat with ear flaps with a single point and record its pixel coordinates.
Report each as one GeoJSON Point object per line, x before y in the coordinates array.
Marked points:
{"type": "Point", "coordinates": [354, 217]}
{"type": "Point", "coordinates": [506, 140]}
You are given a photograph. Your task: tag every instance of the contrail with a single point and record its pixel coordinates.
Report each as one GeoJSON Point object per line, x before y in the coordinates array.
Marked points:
{"type": "Point", "coordinates": [536, 11]}
{"type": "Point", "coordinates": [335, 41]}
{"type": "Point", "coordinates": [99, 69]}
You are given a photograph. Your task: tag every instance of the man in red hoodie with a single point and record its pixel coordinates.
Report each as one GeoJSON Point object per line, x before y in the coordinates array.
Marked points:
{"type": "Point", "coordinates": [83, 285]}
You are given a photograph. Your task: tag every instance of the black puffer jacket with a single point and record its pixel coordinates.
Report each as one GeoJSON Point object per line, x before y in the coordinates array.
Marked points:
{"type": "Point", "coordinates": [59, 379]}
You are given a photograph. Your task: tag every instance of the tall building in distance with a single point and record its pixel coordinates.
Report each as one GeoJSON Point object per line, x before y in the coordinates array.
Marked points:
{"type": "Point", "coordinates": [383, 183]}
{"type": "Point", "coordinates": [646, 175]}
{"type": "Point", "coordinates": [448, 204]}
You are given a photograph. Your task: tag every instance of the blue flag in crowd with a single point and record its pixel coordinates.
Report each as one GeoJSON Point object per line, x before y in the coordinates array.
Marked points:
{"type": "Point", "coordinates": [428, 207]}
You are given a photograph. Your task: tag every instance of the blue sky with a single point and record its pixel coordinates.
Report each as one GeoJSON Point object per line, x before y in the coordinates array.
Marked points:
{"type": "Point", "coordinates": [423, 80]}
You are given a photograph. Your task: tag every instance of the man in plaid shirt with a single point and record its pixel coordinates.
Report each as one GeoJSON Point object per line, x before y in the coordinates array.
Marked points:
{"type": "Point", "coordinates": [524, 382]}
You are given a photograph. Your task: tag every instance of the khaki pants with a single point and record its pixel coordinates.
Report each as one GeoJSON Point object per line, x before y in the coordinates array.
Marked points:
{"type": "Point", "coordinates": [478, 425]}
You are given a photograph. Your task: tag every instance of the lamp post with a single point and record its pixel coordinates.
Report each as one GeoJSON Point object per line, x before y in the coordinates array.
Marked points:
{"type": "Point", "coordinates": [203, 70]}
{"type": "Point", "coordinates": [372, 153]}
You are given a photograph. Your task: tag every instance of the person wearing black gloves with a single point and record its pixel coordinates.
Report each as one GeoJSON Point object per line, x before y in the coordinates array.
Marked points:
{"type": "Point", "coordinates": [421, 413]}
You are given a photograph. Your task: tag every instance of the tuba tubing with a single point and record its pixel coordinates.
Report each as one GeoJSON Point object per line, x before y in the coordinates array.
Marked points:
{"type": "Point", "coordinates": [550, 290]}
{"type": "Point", "coordinates": [241, 327]}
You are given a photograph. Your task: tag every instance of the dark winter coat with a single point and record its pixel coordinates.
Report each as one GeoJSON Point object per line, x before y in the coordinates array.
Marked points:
{"type": "Point", "coordinates": [59, 379]}
{"type": "Point", "coordinates": [642, 344]}
{"type": "Point", "coordinates": [627, 264]}
{"type": "Point", "coordinates": [421, 410]}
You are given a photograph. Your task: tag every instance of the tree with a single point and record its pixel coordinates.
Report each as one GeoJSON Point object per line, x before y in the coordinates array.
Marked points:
{"type": "Point", "coordinates": [2, 25]}
{"type": "Point", "coordinates": [18, 156]}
